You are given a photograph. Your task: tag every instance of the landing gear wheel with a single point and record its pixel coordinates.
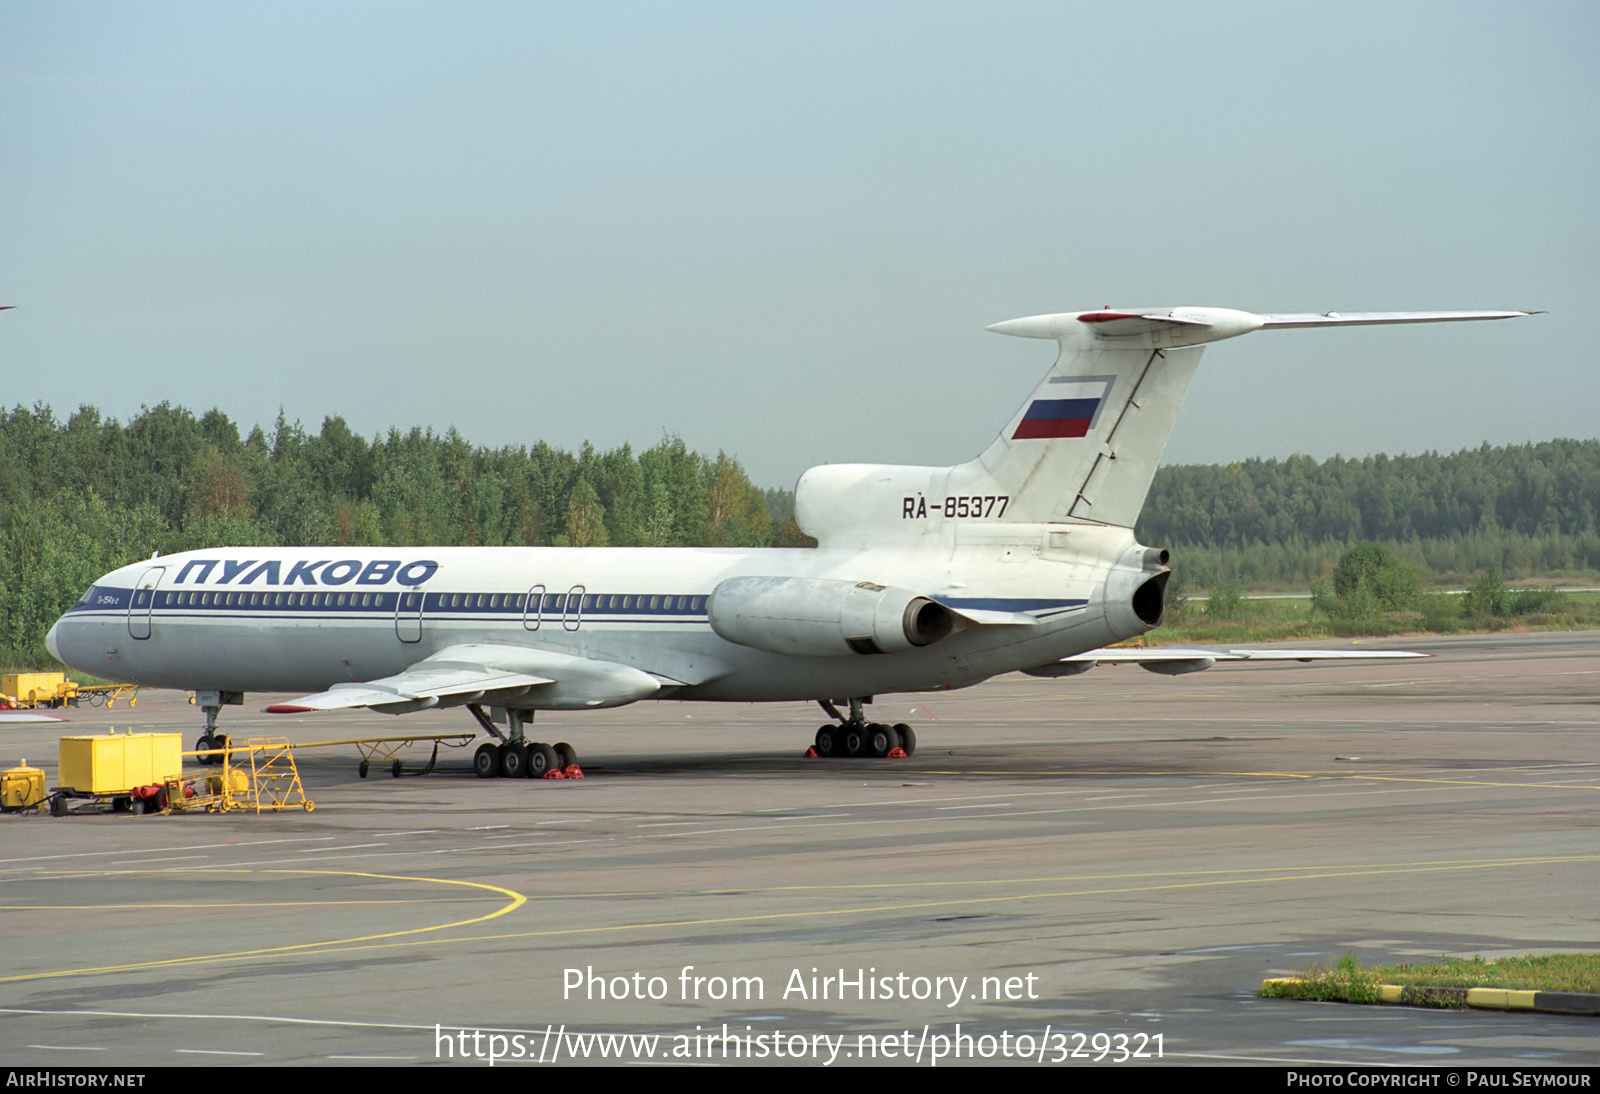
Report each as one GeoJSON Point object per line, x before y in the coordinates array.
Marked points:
{"type": "Point", "coordinates": [566, 754]}
{"type": "Point", "coordinates": [514, 761]}
{"type": "Point", "coordinates": [882, 739]}
{"type": "Point", "coordinates": [853, 740]}
{"type": "Point", "coordinates": [361, 769]}
{"type": "Point", "coordinates": [486, 761]}
{"type": "Point", "coordinates": [828, 741]}
{"type": "Point", "coordinates": [542, 758]}
{"type": "Point", "coordinates": [908, 737]}
{"type": "Point", "coordinates": [204, 746]}
{"type": "Point", "coordinates": [220, 743]}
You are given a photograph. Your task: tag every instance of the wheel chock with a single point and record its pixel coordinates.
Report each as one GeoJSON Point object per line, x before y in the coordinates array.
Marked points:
{"type": "Point", "coordinates": [811, 753]}
{"type": "Point", "coordinates": [573, 771]}
{"type": "Point", "coordinates": [554, 773]}
{"type": "Point", "coordinates": [896, 753]}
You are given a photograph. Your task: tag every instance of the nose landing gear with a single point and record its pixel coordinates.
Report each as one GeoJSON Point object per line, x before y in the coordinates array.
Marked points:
{"type": "Point", "coordinates": [213, 745]}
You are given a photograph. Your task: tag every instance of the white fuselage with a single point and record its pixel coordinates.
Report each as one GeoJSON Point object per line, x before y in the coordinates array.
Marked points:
{"type": "Point", "coordinates": [302, 619]}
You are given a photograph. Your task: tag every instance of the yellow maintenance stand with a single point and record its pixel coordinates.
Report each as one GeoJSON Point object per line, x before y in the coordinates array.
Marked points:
{"type": "Point", "coordinates": [143, 772]}
{"type": "Point", "coordinates": [258, 775]}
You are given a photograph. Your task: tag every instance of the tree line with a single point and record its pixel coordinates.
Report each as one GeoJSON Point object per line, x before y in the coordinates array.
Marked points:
{"type": "Point", "coordinates": [1522, 509]}
{"type": "Point", "coordinates": [83, 496]}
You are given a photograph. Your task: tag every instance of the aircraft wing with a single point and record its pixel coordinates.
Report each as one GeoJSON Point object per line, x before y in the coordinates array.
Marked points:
{"type": "Point", "coordinates": [1177, 660]}
{"type": "Point", "coordinates": [486, 673]}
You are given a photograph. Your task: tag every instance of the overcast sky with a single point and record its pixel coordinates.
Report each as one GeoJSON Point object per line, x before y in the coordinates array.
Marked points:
{"type": "Point", "coordinates": [780, 229]}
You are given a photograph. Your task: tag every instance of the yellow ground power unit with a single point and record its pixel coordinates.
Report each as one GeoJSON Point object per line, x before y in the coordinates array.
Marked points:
{"type": "Point", "coordinates": [39, 689]}
{"type": "Point", "coordinates": [116, 763]}
{"type": "Point", "coordinates": [21, 789]}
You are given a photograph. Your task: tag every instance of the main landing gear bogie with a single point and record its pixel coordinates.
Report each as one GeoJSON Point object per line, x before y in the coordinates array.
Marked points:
{"type": "Point", "coordinates": [854, 736]}
{"type": "Point", "coordinates": [522, 759]}
{"type": "Point", "coordinates": [515, 757]}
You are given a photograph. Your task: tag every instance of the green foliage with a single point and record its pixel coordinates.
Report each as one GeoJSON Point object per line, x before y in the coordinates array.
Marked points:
{"type": "Point", "coordinates": [1368, 580]}
{"type": "Point", "coordinates": [1527, 509]}
{"type": "Point", "coordinates": [1575, 972]}
{"type": "Point", "coordinates": [1371, 570]}
{"type": "Point", "coordinates": [1552, 488]}
{"type": "Point", "coordinates": [585, 524]}
{"type": "Point", "coordinates": [1443, 983]}
{"type": "Point", "coordinates": [1344, 982]}
{"type": "Point", "coordinates": [1226, 596]}
{"type": "Point", "coordinates": [1489, 598]}
{"type": "Point", "coordinates": [1441, 613]}
{"type": "Point", "coordinates": [79, 499]}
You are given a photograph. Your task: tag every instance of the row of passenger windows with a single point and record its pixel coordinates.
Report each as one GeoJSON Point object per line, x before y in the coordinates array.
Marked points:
{"type": "Point", "coordinates": [553, 603]}
{"type": "Point", "coordinates": [274, 600]}
{"type": "Point", "coordinates": [564, 602]}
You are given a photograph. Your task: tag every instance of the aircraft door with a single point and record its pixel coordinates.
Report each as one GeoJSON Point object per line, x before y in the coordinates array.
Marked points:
{"type": "Point", "coordinates": [142, 604]}
{"type": "Point", "coordinates": [531, 610]}
{"type": "Point", "coordinates": [408, 615]}
{"type": "Point", "coordinates": [572, 614]}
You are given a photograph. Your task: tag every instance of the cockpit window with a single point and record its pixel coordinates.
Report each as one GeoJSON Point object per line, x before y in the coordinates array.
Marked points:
{"type": "Point", "coordinates": [87, 593]}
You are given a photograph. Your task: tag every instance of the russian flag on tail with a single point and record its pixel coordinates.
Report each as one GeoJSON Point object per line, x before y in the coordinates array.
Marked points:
{"type": "Point", "coordinates": [1072, 416]}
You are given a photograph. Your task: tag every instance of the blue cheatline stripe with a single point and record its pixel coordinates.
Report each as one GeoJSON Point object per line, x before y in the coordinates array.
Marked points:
{"type": "Point", "coordinates": [198, 603]}
{"type": "Point", "coordinates": [1056, 409]}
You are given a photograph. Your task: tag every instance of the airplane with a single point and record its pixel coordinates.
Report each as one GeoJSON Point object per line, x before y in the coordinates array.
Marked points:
{"type": "Point", "coordinates": [924, 578]}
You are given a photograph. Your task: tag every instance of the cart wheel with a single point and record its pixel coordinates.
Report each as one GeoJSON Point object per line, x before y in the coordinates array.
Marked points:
{"type": "Point", "coordinates": [395, 770]}
{"type": "Point", "coordinates": [310, 805]}
{"type": "Point", "coordinates": [58, 805]}
{"type": "Point", "coordinates": [362, 769]}
{"type": "Point", "coordinates": [136, 807]}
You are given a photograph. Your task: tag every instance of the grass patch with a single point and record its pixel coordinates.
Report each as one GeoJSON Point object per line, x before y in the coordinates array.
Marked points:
{"type": "Point", "coordinates": [1547, 972]}
{"type": "Point", "coordinates": [1442, 983]}
{"type": "Point", "coordinates": [1252, 620]}
{"type": "Point", "coordinates": [1344, 982]}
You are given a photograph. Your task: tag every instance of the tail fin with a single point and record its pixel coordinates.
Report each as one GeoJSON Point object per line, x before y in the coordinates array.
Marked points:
{"type": "Point", "coordinates": [1082, 449]}
{"type": "Point", "coordinates": [1086, 444]}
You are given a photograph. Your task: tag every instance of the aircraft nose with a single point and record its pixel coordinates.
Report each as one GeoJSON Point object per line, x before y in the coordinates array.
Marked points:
{"type": "Point", "coordinates": [50, 641]}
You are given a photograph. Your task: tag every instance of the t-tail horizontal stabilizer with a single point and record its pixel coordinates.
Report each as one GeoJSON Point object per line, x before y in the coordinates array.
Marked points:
{"type": "Point", "coordinates": [1084, 446]}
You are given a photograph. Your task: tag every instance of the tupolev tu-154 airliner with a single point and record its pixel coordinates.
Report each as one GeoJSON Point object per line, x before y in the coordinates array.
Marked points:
{"type": "Point", "coordinates": [924, 578]}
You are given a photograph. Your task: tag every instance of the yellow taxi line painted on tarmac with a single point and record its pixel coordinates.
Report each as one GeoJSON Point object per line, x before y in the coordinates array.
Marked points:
{"type": "Point", "coordinates": [389, 940]}
{"type": "Point", "coordinates": [202, 905]}
{"type": "Point", "coordinates": [515, 900]}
